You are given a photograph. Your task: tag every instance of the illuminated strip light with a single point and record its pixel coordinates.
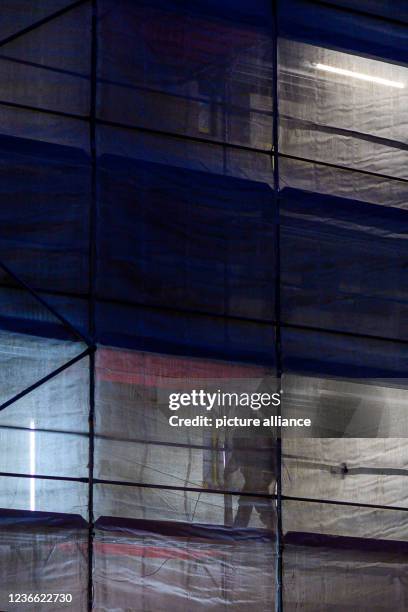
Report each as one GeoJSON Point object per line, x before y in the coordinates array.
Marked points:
{"type": "Point", "coordinates": [360, 75]}
{"type": "Point", "coordinates": [32, 465]}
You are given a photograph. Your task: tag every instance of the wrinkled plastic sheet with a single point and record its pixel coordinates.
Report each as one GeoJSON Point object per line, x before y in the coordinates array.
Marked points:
{"type": "Point", "coordinates": [43, 554]}
{"type": "Point", "coordinates": [182, 568]}
{"type": "Point", "coordinates": [366, 132]}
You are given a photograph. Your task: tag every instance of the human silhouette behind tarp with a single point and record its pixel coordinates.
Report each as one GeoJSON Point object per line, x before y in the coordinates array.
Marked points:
{"type": "Point", "coordinates": [253, 454]}
{"type": "Point", "coordinates": [255, 458]}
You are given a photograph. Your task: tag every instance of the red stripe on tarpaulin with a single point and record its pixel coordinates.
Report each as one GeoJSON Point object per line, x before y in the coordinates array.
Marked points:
{"type": "Point", "coordinates": [152, 552]}
{"type": "Point", "coordinates": [139, 550]}
{"type": "Point", "coordinates": [308, 540]}
{"type": "Point", "coordinates": [152, 370]}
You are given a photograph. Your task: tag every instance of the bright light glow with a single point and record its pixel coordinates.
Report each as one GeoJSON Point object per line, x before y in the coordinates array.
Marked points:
{"type": "Point", "coordinates": [360, 75]}
{"type": "Point", "coordinates": [32, 465]}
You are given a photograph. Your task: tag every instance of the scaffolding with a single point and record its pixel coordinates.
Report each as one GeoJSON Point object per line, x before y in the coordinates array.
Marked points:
{"type": "Point", "coordinates": [203, 195]}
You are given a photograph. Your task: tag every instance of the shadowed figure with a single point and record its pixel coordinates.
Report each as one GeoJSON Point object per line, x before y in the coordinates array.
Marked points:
{"type": "Point", "coordinates": [255, 458]}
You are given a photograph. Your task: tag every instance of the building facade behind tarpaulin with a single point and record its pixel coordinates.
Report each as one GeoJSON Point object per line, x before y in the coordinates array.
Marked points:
{"type": "Point", "coordinates": [210, 192]}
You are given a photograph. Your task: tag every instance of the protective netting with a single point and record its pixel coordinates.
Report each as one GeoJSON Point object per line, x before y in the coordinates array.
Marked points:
{"type": "Point", "coordinates": [203, 195]}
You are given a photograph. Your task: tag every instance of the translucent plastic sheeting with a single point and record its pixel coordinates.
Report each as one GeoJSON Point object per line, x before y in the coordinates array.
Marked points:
{"type": "Point", "coordinates": [150, 571]}
{"type": "Point", "coordinates": [347, 184]}
{"type": "Point", "coordinates": [184, 506]}
{"type": "Point", "coordinates": [133, 390]}
{"type": "Point", "coordinates": [367, 131]}
{"type": "Point", "coordinates": [248, 468]}
{"type": "Point", "coordinates": [157, 330]}
{"type": "Point", "coordinates": [340, 356]}
{"type": "Point", "coordinates": [42, 495]}
{"type": "Point", "coordinates": [196, 70]}
{"type": "Point", "coordinates": [331, 579]}
{"type": "Point", "coordinates": [211, 249]}
{"type": "Point", "coordinates": [43, 560]}
{"type": "Point", "coordinates": [343, 264]}
{"type": "Point", "coordinates": [355, 470]}
{"type": "Point", "coordinates": [338, 557]}
{"type": "Point", "coordinates": [23, 311]}
{"type": "Point", "coordinates": [346, 407]}
{"type": "Point", "coordinates": [30, 451]}
{"type": "Point", "coordinates": [39, 67]}
{"type": "Point", "coordinates": [26, 359]}
{"type": "Point", "coordinates": [183, 153]}
{"type": "Point", "coordinates": [34, 342]}
{"type": "Point", "coordinates": [74, 309]}
{"type": "Point", "coordinates": [132, 423]}
{"type": "Point", "coordinates": [319, 24]}
{"type": "Point", "coordinates": [59, 405]}
{"type": "Point", "coordinates": [366, 524]}
{"type": "Point", "coordinates": [44, 128]}
{"type": "Point", "coordinates": [44, 235]}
